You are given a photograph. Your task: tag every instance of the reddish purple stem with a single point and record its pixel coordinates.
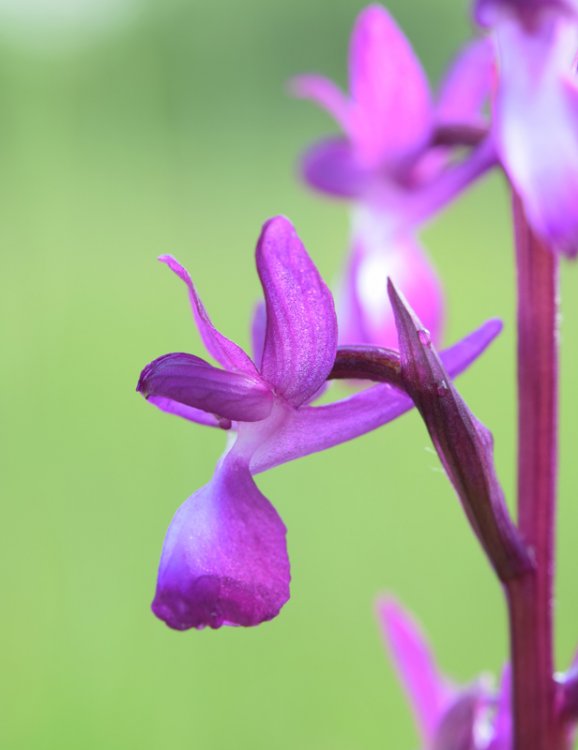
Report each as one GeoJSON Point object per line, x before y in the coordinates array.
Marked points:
{"type": "Point", "coordinates": [530, 596]}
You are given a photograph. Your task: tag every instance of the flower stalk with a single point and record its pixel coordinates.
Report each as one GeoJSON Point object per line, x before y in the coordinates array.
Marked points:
{"type": "Point", "coordinates": [530, 596]}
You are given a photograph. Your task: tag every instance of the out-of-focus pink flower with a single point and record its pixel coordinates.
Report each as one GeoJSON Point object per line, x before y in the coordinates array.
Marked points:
{"type": "Point", "coordinates": [387, 162]}
{"type": "Point", "coordinates": [448, 717]}
{"type": "Point", "coordinates": [390, 117]}
{"type": "Point", "coordinates": [535, 120]}
{"type": "Point", "coordinates": [363, 308]}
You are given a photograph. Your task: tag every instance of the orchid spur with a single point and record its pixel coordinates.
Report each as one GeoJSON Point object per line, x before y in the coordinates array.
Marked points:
{"type": "Point", "coordinates": [390, 164]}
{"type": "Point", "coordinates": [224, 559]}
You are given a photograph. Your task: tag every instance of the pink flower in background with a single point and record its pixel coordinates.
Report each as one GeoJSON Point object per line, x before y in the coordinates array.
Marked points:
{"type": "Point", "coordinates": [363, 308]}
{"type": "Point", "coordinates": [535, 121]}
{"type": "Point", "coordinates": [447, 716]}
{"type": "Point", "coordinates": [390, 118]}
{"type": "Point", "coordinates": [388, 164]}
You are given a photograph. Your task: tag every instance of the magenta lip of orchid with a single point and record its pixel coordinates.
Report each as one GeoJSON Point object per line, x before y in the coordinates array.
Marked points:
{"type": "Point", "coordinates": [224, 559]}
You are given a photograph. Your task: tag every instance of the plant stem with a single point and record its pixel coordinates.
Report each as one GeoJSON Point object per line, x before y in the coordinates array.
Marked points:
{"type": "Point", "coordinates": [530, 596]}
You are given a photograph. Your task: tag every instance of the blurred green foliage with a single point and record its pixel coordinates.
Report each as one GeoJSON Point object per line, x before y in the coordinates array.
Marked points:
{"type": "Point", "coordinates": [173, 133]}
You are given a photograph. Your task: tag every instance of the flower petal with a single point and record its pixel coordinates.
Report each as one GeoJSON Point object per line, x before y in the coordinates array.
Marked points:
{"type": "Point", "coordinates": [467, 85]}
{"type": "Point", "coordinates": [460, 726]}
{"type": "Point", "coordinates": [224, 559]}
{"type": "Point", "coordinates": [536, 126]}
{"type": "Point", "coordinates": [364, 313]}
{"type": "Point", "coordinates": [189, 380]}
{"type": "Point", "coordinates": [258, 331]}
{"type": "Point", "coordinates": [325, 93]}
{"type": "Point", "coordinates": [527, 12]}
{"type": "Point", "coordinates": [316, 428]}
{"type": "Point", "coordinates": [391, 108]}
{"type": "Point", "coordinates": [330, 166]}
{"type": "Point", "coordinates": [301, 336]}
{"type": "Point", "coordinates": [189, 413]}
{"type": "Point", "coordinates": [428, 692]}
{"type": "Point", "coordinates": [225, 351]}
{"type": "Point", "coordinates": [443, 185]}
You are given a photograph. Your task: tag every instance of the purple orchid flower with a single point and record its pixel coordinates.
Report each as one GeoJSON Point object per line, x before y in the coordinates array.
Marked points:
{"type": "Point", "coordinates": [448, 717]}
{"type": "Point", "coordinates": [390, 119]}
{"type": "Point", "coordinates": [535, 122]}
{"type": "Point", "coordinates": [388, 163]}
{"type": "Point", "coordinates": [224, 559]}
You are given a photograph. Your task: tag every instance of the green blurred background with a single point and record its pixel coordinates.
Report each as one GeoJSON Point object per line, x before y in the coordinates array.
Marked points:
{"type": "Point", "coordinates": [165, 127]}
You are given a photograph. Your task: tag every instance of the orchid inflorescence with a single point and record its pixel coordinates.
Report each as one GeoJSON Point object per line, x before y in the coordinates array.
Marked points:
{"type": "Point", "coordinates": [509, 102]}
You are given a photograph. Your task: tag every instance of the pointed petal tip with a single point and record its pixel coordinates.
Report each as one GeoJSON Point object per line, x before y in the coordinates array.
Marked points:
{"type": "Point", "coordinates": [494, 326]}
{"type": "Point", "coordinates": [394, 618]}
{"type": "Point", "coordinates": [277, 223]}
{"type": "Point", "coordinates": [386, 605]}
{"type": "Point", "coordinates": [306, 85]}
{"type": "Point", "coordinates": [173, 264]}
{"type": "Point", "coordinates": [373, 13]}
{"type": "Point", "coordinates": [170, 261]}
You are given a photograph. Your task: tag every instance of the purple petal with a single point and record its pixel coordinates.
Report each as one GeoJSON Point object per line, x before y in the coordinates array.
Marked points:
{"type": "Point", "coordinates": [459, 726]}
{"type": "Point", "coordinates": [443, 185]}
{"type": "Point", "coordinates": [391, 113]}
{"type": "Point", "coordinates": [527, 12]}
{"type": "Point", "coordinates": [427, 690]}
{"type": "Point", "coordinates": [258, 331]}
{"type": "Point", "coordinates": [301, 336]}
{"type": "Point", "coordinates": [325, 93]}
{"type": "Point", "coordinates": [226, 352]}
{"type": "Point", "coordinates": [330, 166]}
{"type": "Point", "coordinates": [189, 380]}
{"type": "Point", "coordinates": [189, 413]}
{"type": "Point", "coordinates": [316, 428]}
{"type": "Point", "coordinates": [467, 85]}
{"type": "Point", "coordinates": [364, 313]}
{"type": "Point", "coordinates": [224, 559]}
{"type": "Point", "coordinates": [536, 126]}
{"type": "Point", "coordinates": [460, 356]}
